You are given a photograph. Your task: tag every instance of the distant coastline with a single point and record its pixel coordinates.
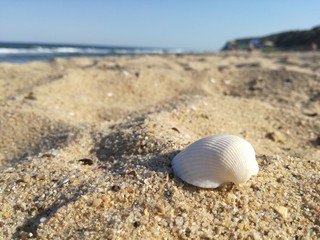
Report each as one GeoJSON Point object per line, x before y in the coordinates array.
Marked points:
{"type": "Point", "coordinates": [284, 41]}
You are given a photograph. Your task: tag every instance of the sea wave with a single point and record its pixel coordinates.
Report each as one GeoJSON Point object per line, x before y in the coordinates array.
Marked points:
{"type": "Point", "coordinates": [57, 50]}
{"type": "Point", "coordinates": [24, 52]}
{"type": "Point", "coordinates": [75, 50]}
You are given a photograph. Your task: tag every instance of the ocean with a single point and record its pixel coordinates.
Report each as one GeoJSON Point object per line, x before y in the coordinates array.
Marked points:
{"type": "Point", "coordinates": [26, 52]}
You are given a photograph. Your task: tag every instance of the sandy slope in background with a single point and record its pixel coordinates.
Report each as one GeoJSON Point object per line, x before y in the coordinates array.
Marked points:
{"type": "Point", "coordinates": [86, 145]}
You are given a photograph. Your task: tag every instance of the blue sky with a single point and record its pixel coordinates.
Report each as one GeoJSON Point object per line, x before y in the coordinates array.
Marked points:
{"type": "Point", "coordinates": [191, 24]}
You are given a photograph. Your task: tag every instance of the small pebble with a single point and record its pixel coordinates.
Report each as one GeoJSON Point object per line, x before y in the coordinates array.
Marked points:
{"type": "Point", "coordinates": [283, 211]}
{"type": "Point", "coordinates": [96, 202]}
{"type": "Point", "coordinates": [179, 221]}
{"type": "Point", "coordinates": [136, 224]}
{"type": "Point", "coordinates": [146, 212]}
{"type": "Point", "coordinates": [115, 188]}
{"type": "Point", "coordinates": [86, 161]}
{"type": "Point", "coordinates": [175, 129]}
{"type": "Point", "coordinates": [276, 137]}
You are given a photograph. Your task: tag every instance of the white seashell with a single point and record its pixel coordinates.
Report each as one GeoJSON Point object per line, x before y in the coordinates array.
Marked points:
{"type": "Point", "coordinates": [212, 161]}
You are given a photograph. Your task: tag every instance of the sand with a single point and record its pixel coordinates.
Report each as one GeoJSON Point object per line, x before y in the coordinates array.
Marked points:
{"type": "Point", "coordinates": [86, 146]}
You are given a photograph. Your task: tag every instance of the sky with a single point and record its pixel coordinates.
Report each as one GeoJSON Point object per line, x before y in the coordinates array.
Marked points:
{"type": "Point", "coordinates": [187, 24]}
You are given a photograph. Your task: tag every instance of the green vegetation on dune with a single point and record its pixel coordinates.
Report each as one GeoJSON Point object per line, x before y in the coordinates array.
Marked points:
{"type": "Point", "coordinates": [290, 40]}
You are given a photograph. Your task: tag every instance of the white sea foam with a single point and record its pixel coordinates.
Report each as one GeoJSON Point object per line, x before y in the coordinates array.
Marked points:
{"type": "Point", "coordinates": [57, 50]}
{"type": "Point", "coordinates": [29, 52]}
{"type": "Point", "coordinates": [79, 50]}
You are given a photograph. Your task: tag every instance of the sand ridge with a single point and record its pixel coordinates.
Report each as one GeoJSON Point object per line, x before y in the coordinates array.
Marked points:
{"type": "Point", "coordinates": [86, 146]}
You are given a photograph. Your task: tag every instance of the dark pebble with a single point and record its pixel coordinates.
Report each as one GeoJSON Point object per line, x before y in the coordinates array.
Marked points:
{"type": "Point", "coordinates": [115, 188]}
{"type": "Point", "coordinates": [20, 181]}
{"type": "Point", "coordinates": [175, 129]}
{"type": "Point", "coordinates": [316, 141]}
{"type": "Point", "coordinates": [132, 173]}
{"type": "Point", "coordinates": [47, 155]}
{"type": "Point", "coordinates": [296, 176]}
{"type": "Point", "coordinates": [86, 161]}
{"type": "Point", "coordinates": [136, 224]}
{"type": "Point", "coordinates": [30, 96]}
{"type": "Point", "coordinates": [188, 232]}
{"type": "Point", "coordinates": [310, 114]}
{"type": "Point", "coordinates": [270, 135]}
{"type": "Point", "coordinates": [287, 167]}
{"type": "Point", "coordinates": [279, 180]}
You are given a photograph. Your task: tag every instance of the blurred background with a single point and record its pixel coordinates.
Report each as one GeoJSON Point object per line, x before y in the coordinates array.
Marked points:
{"type": "Point", "coordinates": [41, 30]}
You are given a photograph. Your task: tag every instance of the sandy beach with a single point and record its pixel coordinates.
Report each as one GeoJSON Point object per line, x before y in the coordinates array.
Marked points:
{"type": "Point", "coordinates": [86, 146]}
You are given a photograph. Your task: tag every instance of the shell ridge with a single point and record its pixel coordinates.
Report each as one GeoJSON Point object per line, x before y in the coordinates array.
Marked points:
{"type": "Point", "coordinates": [230, 162]}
